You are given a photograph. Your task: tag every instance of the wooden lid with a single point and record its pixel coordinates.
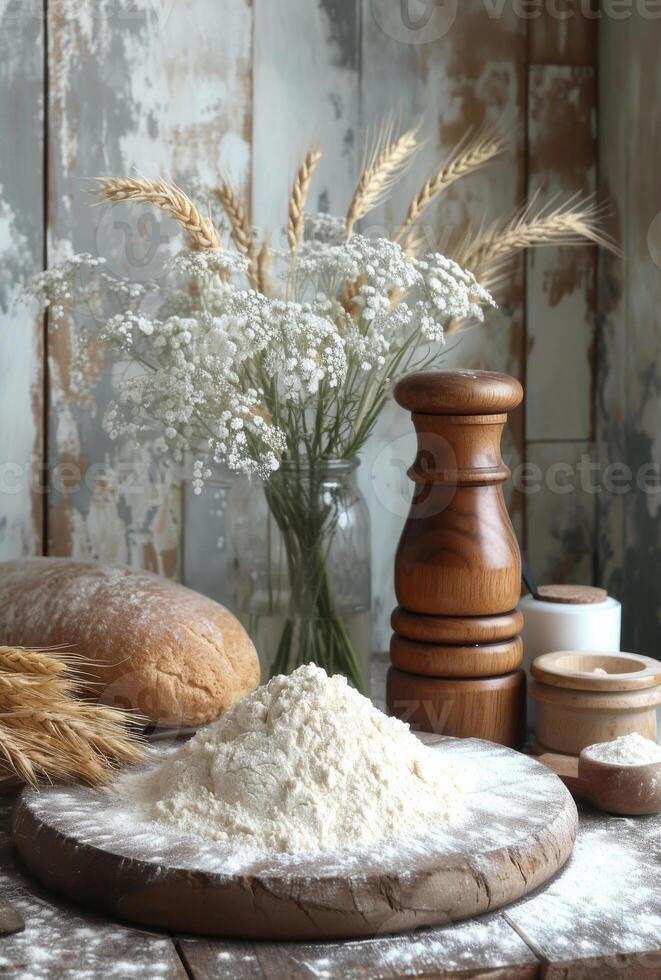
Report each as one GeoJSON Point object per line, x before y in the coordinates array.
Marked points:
{"type": "Point", "coordinates": [458, 392]}
{"type": "Point", "coordinates": [571, 595]}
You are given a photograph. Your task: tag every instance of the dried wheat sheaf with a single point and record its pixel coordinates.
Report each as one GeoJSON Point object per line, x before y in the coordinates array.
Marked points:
{"type": "Point", "coordinates": [47, 732]}
{"type": "Point", "coordinates": [485, 251]}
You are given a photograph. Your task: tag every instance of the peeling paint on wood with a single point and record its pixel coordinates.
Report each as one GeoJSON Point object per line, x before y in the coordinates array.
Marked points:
{"type": "Point", "coordinates": [473, 73]}
{"type": "Point", "coordinates": [254, 84]}
{"type": "Point", "coordinates": [306, 93]}
{"type": "Point", "coordinates": [561, 511]}
{"type": "Point", "coordinates": [642, 534]}
{"type": "Point", "coordinates": [612, 348]}
{"type": "Point", "coordinates": [167, 90]}
{"type": "Point", "coordinates": [21, 252]}
{"type": "Point", "coordinates": [560, 296]}
{"type": "Point", "coordinates": [630, 375]}
{"type": "Point", "coordinates": [564, 33]}
{"type": "Point", "coordinates": [561, 319]}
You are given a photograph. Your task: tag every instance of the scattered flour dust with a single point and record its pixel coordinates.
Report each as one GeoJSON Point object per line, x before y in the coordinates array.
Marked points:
{"type": "Point", "coordinates": [627, 750]}
{"type": "Point", "coordinates": [303, 764]}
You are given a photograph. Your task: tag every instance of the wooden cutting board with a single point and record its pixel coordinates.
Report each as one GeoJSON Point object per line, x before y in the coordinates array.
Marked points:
{"type": "Point", "coordinates": [518, 830]}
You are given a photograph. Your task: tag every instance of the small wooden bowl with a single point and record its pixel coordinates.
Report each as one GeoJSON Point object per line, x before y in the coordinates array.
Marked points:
{"type": "Point", "coordinates": [577, 707]}
{"type": "Point", "coordinates": [627, 790]}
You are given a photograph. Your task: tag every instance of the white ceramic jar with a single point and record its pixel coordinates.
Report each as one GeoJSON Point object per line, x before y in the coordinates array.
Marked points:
{"type": "Point", "coordinates": [567, 617]}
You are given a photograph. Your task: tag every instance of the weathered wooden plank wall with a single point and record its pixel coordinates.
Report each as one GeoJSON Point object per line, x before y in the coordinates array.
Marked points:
{"type": "Point", "coordinates": [564, 33]}
{"type": "Point", "coordinates": [560, 318]}
{"type": "Point", "coordinates": [454, 76]}
{"type": "Point", "coordinates": [629, 399]}
{"type": "Point", "coordinates": [207, 87]}
{"type": "Point", "coordinates": [138, 66]}
{"type": "Point", "coordinates": [21, 255]}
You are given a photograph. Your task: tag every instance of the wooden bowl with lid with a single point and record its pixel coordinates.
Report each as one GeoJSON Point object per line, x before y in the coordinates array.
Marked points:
{"type": "Point", "coordinates": [584, 697]}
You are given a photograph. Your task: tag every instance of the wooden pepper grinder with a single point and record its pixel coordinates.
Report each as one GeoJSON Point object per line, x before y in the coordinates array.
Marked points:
{"type": "Point", "coordinates": [456, 650]}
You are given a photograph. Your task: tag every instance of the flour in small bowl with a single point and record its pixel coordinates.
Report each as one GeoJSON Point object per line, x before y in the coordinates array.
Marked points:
{"type": "Point", "coordinates": [627, 750]}
{"type": "Point", "coordinates": [303, 764]}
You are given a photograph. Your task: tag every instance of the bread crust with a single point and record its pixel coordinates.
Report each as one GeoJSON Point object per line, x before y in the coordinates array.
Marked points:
{"type": "Point", "coordinates": [177, 656]}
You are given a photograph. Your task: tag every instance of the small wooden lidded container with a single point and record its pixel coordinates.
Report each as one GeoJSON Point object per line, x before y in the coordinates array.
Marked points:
{"type": "Point", "coordinates": [567, 617]}
{"type": "Point", "coordinates": [577, 707]}
{"type": "Point", "coordinates": [456, 650]}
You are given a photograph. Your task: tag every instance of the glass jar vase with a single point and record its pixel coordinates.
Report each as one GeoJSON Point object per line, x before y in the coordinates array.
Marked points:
{"type": "Point", "coordinates": [300, 568]}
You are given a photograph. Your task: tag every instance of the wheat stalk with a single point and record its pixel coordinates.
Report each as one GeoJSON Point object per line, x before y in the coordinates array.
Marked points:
{"type": "Point", "coordinates": [167, 197]}
{"type": "Point", "coordinates": [48, 733]}
{"type": "Point", "coordinates": [573, 222]}
{"type": "Point", "coordinates": [417, 243]}
{"type": "Point", "coordinates": [30, 661]}
{"type": "Point", "coordinates": [17, 762]}
{"type": "Point", "coordinates": [240, 229]}
{"type": "Point", "coordinates": [468, 156]}
{"type": "Point", "coordinates": [383, 166]}
{"type": "Point", "coordinates": [262, 265]}
{"type": "Point", "coordinates": [487, 252]}
{"type": "Point", "coordinates": [299, 195]}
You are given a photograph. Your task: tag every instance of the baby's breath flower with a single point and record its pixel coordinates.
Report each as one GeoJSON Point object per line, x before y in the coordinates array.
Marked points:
{"type": "Point", "coordinates": [208, 262]}
{"type": "Point", "coordinates": [242, 378]}
{"type": "Point", "coordinates": [324, 227]}
{"type": "Point", "coordinates": [58, 288]}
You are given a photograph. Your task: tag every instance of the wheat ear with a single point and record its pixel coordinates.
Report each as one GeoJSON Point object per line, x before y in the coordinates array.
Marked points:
{"type": "Point", "coordinates": [240, 229]}
{"type": "Point", "coordinates": [576, 221]}
{"type": "Point", "coordinates": [383, 166]}
{"type": "Point", "coordinates": [19, 660]}
{"type": "Point", "coordinates": [469, 155]}
{"type": "Point", "coordinates": [167, 197]}
{"type": "Point", "coordinates": [299, 195]}
{"type": "Point", "coordinates": [262, 265]}
{"type": "Point", "coordinates": [48, 733]}
{"type": "Point", "coordinates": [487, 252]}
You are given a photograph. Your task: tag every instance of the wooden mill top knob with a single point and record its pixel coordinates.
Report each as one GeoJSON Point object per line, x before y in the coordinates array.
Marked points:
{"type": "Point", "coordinates": [458, 555]}
{"type": "Point", "coordinates": [458, 393]}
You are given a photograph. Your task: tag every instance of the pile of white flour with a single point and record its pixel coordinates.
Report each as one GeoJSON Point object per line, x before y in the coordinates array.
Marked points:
{"type": "Point", "coordinates": [303, 764]}
{"type": "Point", "coordinates": [627, 750]}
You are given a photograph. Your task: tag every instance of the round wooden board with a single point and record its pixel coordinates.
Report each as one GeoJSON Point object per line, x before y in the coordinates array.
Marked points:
{"type": "Point", "coordinates": [519, 830]}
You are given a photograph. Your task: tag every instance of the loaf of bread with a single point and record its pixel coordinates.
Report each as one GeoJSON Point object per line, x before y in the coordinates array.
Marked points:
{"type": "Point", "coordinates": [175, 655]}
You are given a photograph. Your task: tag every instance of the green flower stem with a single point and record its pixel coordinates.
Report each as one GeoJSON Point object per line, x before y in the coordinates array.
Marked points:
{"type": "Point", "coordinates": [314, 631]}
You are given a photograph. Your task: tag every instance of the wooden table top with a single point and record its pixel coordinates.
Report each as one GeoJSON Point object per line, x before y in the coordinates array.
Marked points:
{"type": "Point", "coordinates": [599, 918]}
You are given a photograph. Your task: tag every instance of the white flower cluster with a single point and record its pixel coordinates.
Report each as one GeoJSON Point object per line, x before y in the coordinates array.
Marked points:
{"type": "Point", "coordinates": [449, 292]}
{"type": "Point", "coordinates": [379, 263]}
{"type": "Point", "coordinates": [131, 293]}
{"type": "Point", "coordinates": [239, 377]}
{"type": "Point", "coordinates": [55, 288]}
{"type": "Point", "coordinates": [193, 390]}
{"type": "Point", "coordinates": [196, 384]}
{"type": "Point", "coordinates": [324, 227]}
{"type": "Point", "coordinates": [302, 348]}
{"type": "Point", "coordinates": [204, 263]}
